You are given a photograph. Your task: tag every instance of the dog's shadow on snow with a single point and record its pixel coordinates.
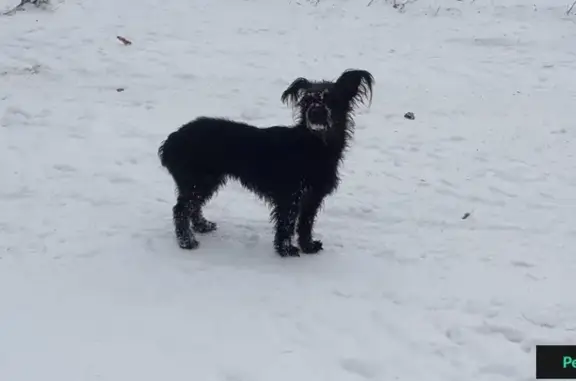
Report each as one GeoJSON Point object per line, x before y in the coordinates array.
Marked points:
{"type": "Point", "coordinates": [239, 246]}
{"type": "Point", "coordinates": [243, 240]}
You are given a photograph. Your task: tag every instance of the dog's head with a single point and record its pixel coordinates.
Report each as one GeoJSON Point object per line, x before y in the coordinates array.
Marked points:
{"type": "Point", "coordinates": [326, 107]}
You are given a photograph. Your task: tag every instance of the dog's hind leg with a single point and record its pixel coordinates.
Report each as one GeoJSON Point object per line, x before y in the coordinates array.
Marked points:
{"type": "Point", "coordinates": [309, 207]}
{"type": "Point", "coordinates": [182, 213]}
{"type": "Point", "coordinates": [192, 196]}
{"type": "Point", "coordinates": [284, 215]}
{"type": "Point", "coordinates": [200, 224]}
{"type": "Point", "coordinates": [203, 193]}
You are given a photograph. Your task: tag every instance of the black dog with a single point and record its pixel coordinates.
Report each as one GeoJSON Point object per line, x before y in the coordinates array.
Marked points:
{"type": "Point", "coordinates": [292, 168]}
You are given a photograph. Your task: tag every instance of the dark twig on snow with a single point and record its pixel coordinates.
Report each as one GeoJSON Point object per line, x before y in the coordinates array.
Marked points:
{"type": "Point", "coordinates": [20, 7]}
{"type": "Point", "coordinates": [125, 41]}
{"type": "Point", "coordinates": [570, 9]}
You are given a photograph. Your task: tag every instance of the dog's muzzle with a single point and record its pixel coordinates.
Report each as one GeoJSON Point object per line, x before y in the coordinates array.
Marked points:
{"type": "Point", "coordinates": [317, 117]}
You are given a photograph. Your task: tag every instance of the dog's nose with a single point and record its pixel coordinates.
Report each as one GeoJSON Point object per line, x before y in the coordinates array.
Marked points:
{"type": "Point", "coordinates": [317, 114]}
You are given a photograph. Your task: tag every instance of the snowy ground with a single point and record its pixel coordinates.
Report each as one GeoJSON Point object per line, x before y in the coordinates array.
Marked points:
{"type": "Point", "coordinates": [93, 286]}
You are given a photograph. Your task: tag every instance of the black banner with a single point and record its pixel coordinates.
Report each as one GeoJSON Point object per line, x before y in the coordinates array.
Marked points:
{"type": "Point", "coordinates": [556, 362]}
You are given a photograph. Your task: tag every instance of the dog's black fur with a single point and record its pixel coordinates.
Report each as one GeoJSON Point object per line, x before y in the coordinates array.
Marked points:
{"type": "Point", "coordinates": [293, 168]}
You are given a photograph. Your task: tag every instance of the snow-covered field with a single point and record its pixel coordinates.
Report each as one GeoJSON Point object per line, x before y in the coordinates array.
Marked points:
{"type": "Point", "coordinates": [94, 287]}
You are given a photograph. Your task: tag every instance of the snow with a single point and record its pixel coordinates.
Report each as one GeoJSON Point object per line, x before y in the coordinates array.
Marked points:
{"type": "Point", "coordinates": [94, 287]}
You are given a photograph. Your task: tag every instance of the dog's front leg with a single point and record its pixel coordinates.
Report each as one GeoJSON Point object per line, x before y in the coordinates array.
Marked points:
{"type": "Point", "coordinates": [284, 215]}
{"type": "Point", "coordinates": [309, 207]}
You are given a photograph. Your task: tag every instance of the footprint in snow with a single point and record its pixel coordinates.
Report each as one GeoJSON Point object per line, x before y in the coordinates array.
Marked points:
{"type": "Point", "coordinates": [359, 367]}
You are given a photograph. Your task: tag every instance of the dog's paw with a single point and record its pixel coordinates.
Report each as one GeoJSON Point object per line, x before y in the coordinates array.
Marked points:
{"type": "Point", "coordinates": [204, 227]}
{"type": "Point", "coordinates": [188, 243]}
{"type": "Point", "coordinates": [312, 247]}
{"type": "Point", "coordinates": [288, 251]}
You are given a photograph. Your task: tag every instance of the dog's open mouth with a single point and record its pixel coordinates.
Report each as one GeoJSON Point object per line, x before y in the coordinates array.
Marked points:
{"type": "Point", "coordinates": [317, 118]}
{"type": "Point", "coordinates": [317, 127]}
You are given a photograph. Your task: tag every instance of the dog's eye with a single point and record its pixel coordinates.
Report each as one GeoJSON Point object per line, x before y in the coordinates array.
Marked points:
{"type": "Point", "coordinates": [309, 99]}
{"type": "Point", "coordinates": [314, 97]}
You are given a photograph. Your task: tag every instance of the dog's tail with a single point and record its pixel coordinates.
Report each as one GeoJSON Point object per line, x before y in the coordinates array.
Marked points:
{"type": "Point", "coordinates": [172, 151]}
{"type": "Point", "coordinates": [161, 153]}
{"type": "Point", "coordinates": [168, 150]}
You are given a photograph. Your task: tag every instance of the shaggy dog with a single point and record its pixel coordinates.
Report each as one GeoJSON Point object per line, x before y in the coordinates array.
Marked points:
{"type": "Point", "coordinates": [292, 168]}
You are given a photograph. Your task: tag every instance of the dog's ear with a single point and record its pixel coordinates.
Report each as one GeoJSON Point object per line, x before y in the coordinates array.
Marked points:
{"type": "Point", "coordinates": [355, 86]}
{"type": "Point", "coordinates": [293, 93]}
